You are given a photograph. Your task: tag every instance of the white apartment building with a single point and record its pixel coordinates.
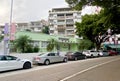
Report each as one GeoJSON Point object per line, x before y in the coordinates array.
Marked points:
{"type": "Point", "coordinates": [22, 26]}
{"type": "Point", "coordinates": [33, 26]}
{"type": "Point", "coordinates": [62, 21]}
{"type": "Point", "coordinates": [37, 26]}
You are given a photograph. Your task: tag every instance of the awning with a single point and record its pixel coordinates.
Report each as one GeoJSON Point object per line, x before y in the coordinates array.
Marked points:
{"type": "Point", "coordinates": [113, 46]}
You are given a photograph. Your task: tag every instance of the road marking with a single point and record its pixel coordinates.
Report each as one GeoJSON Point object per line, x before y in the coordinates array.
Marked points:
{"type": "Point", "coordinates": [80, 72]}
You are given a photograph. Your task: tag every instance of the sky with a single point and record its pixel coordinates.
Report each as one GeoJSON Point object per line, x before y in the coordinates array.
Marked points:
{"type": "Point", "coordinates": [30, 10]}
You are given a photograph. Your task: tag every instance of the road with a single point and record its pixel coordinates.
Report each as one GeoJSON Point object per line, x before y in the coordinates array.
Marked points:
{"type": "Point", "coordinates": [97, 69]}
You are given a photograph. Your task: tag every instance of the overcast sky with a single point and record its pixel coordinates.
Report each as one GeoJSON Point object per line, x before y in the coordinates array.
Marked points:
{"type": "Point", "coordinates": [28, 10]}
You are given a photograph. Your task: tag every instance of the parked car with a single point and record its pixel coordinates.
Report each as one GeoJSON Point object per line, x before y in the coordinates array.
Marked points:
{"type": "Point", "coordinates": [103, 53]}
{"type": "Point", "coordinates": [112, 52]}
{"type": "Point", "coordinates": [75, 56]}
{"type": "Point", "coordinates": [8, 62]}
{"type": "Point", "coordinates": [47, 58]}
{"type": "Point", "coordinates": [86, 52]}
{"type": "Point", "coordinates": [92, 53]}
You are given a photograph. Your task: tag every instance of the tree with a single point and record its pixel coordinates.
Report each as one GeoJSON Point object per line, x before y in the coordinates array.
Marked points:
{"type": "Point", "coordinates": [111, 11]}
{"type": "Point", "coordinates": [23, 43]}
{"type": "Point", "coordinates": [46, 30]}
{"type": "Point", "coordinates": [94, 27]}
{"type": "Point", "coordinates": [52, 44]}
{"type": "Point", "coordinates": [85, 44]}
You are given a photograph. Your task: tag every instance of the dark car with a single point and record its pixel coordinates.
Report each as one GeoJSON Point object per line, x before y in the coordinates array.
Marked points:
{"type": "Point", "coordinates": [75, 56]}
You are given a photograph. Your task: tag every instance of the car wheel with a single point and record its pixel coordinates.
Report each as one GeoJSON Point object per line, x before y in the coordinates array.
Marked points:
{"type": "Point", "coordinates": [92, 55]}
{"type": "Point", "coordinates": [47, 62]}
{"type": "Point", "coordinates": [27, 65]}
{"type": "Point", "coordinates": [98, 55]}
{"type": "Point", "coordinates": [65, 60]}
{"type": "Point", "coordinates": [76, 58]}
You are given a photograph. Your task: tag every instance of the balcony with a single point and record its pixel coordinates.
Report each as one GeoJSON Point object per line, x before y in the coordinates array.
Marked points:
{"type": "Point", "coordinates": [69, 17]}
{"type": "Point", "coordinates": [61, 23]}
{"type": "Point", "coordinates": [69, 22]}
{"type": "Point", "coordinates": [60, 17]}
{"type": "Point", "coordinates": [70, 28]}
{"type": "Point", "coordinates": [61, 28]}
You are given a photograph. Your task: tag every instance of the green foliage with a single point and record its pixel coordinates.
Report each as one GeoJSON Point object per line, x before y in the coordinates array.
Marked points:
{"type": "Point", "coordinates": [91, 26]}
{"type": "Point", "coordinates": [111, 14]}
{"type": "Point", "coordinates": [36, 49]}
{"type": "Point", "coordinates": [23, 44]}
{"type": "Point", "coordinates": [52, 44]}
{"type": "Point", "coordinates": [85, 44]}
{"type": "Point", "coordinates": [46, 30]}
{"type": "Point", "coordinates": [94, 25]}
{"type": "Point", "coordinates": [1, 37]}
{"type": "Point", "coordinates": [29, 49]}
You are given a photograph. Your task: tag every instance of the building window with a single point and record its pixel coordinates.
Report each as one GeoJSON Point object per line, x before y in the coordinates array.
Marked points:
{"type": "Point", "coordinates": [44, 44]}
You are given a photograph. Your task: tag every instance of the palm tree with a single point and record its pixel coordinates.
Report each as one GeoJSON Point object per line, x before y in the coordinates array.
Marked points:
{"type": "Point", "coordinates": [52, 45]}
{"type": "Point", "coordinates": [23, 43]}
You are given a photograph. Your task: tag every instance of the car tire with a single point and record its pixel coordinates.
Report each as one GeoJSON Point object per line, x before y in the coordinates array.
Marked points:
{"type": "Point", "coordinates": [47, 62]}
{"type": "Point", "coordinates": [65, 60]}
{"type": "Point", "coordinates": [27, 65]}
{"type": "Point", "coordinates": [92, 56]}
{"type": "Point", "coordinates": [98, 55]}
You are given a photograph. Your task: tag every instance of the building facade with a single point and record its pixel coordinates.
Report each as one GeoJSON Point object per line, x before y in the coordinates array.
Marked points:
{"type": "Point", "coordinates": [33, 26]}
{"type": "Point", "coordinates": [62, 21]}
{"type": "Point", "coordinates": [37, 26]}
{"type": "Point", "coordinates": [42, 40]}
{"type": "Point", "coordinates": [22, 26]}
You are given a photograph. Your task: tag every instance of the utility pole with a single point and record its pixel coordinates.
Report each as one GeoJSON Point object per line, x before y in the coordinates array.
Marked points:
{"type": "Point", "coordinates": [8, 30]}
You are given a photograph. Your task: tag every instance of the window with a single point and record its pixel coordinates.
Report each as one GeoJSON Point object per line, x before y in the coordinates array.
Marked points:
{"type": "Point", "coordinates": [44, 44]}
{"type": "Point", "coordinates": [2, 58]}
{"type": "Point", "coordinates": [11, 58]}
{"type": "Point", "coordinates": [51, 54]}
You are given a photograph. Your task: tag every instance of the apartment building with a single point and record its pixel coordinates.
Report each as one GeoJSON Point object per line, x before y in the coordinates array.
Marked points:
{"type": "Point", "coordinates": [22, 26]}
{"type": "Point", "coordinates": [37, 26]}
{"type": "Point", "coordinates": [33, 26]}
{"type": "Point", "coordinates": [62, 21]}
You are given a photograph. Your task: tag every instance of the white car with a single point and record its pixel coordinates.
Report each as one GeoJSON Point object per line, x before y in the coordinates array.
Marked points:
{"type": "Point", "coordinates": [8, 62]}
{"type": "Point", "coordinates": [91, 53]}
{"type": "Point", "coordinates": [47, 58]}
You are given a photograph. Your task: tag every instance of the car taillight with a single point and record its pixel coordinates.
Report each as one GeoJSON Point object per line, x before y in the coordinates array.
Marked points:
{"type": "Point", "coordinates": [36, 58]}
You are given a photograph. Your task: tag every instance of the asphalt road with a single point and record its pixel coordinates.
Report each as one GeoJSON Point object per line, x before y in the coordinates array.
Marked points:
{"type": "Point", "coordinates": [97, 69]}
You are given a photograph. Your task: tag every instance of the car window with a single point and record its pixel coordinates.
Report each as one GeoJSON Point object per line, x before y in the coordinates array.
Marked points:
{"type": "Point", "coordinates": [92, 51]}
{"type": "Point", "coordinates": [51, 54]}
{"type": "Point", "coordinates": [77, 53]}
{"type": "Point", "coordinates": [2, 58]}
{"type": "Point", "coordinates": [11, 58]}
{"type": "Point", "coordinates": [104, 51]}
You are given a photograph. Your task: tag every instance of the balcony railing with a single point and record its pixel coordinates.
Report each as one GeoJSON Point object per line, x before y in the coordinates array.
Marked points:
{"type": "Point", "coordinates": [61, 28]}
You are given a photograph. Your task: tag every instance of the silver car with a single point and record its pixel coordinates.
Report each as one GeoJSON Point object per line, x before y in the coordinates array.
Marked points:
{"type": "Point", "coordinates": [103, 53]}
{"type": "Point", "coordinates": [47, 58]}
